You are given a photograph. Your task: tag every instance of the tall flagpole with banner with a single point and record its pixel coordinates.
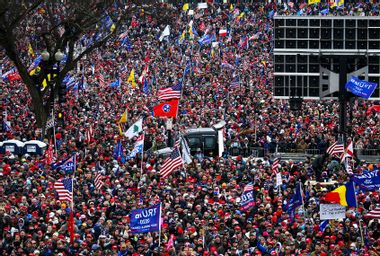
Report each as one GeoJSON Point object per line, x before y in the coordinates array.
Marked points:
{"type": "Point", "coordinates": [159, 228]}
{"type": "Point", "coordinates": [55, 140]}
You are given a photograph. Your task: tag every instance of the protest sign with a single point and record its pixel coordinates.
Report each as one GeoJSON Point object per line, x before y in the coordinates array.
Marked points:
{"type": "Point", "coordinates": [332, 211]}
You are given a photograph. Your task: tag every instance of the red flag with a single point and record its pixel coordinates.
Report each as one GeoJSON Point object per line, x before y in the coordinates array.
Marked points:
{"type": "Point", "coordinates": [71, 227]}
{"type": "Point", "coordinates": [15, 76]}
{"type": "Point", "coordinates": [168, 109]}
{"type": "Point", "coordinates": [375, 108]}
{"type": "Point", "coordinates": [134, 22]}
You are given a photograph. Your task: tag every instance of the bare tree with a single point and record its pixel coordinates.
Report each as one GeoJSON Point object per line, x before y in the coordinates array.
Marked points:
{"type": "Point", "coordinates": [54, 25]}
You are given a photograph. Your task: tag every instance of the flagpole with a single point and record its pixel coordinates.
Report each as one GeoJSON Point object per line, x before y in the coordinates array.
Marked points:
{"type": "Point", "coordinates": [159, 228]}
{"type": "Point", "coordinates": [303, 205]}
{"type": "Point", "coordinates": [142, 156]}
{"type": "Point", "coordinates": [55, 141]}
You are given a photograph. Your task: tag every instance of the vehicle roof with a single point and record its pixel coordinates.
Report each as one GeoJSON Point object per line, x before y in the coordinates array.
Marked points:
{"type": "Point", "coordinates": [199, 130]}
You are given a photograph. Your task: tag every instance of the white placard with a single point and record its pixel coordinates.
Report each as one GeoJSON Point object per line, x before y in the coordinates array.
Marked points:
{"type": "Point", "coordinates": [202, 6]}
{"type": "Point", "coordinates": [278, 179]}
{"type": "Point", "coordinates": [332, 211]}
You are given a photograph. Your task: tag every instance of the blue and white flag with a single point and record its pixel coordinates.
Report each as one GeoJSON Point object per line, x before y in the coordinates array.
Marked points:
{"type": "Point", "coordinates": [360, 88]}
{"type": "Point", "coordinates": [145, 220]}
{"type": "Point", "coordinates": [206, 39]}
{"type": "Point", "coordinates": [139, 147]}
{"type": "Point", "coordinates": [323, 225]}
{"type": "Point", "coordinates": [369, 180]}
{"type": "Point", "coordinates": [247, 197]}
{"type": "Point", "coordinates": [68, 165]}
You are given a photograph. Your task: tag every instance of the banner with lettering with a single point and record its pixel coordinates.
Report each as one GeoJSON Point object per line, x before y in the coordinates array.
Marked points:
{"type": "Point", "coordinates": [331, 211]}
{"type": "Point", "coordinates": [369, 180]}
{"type": "Point", "coordinates": [247, 197]}
{"type": "Point", "coordinates": [145, 219]}
{"type": "Point", "coordinates": [360, 88]}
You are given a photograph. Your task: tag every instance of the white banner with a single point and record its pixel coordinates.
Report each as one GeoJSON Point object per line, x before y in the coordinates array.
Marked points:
{"type": "Point", "coordinates": [278, 179]}
{"type": "Point", "coordinates": [332, 211]}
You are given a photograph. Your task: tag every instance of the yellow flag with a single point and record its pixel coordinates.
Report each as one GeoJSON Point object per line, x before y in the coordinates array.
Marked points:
{"type": "Point", "coordinates": [131, 79]}
{"type": "Point", "coordinates": [313, 1]}
{"type": "Point", "coordinates": [33, 71]}
{"type": "Point", "coordinates": [124, 117]}
{"type": "Point", "coordinates": [113, 26]}
{"type": "Point", "coordinates": [241, 15]}
{"type": "Point", "coordinates": [185, 7]}
{"type": "Point", "coordinates": [182, 37]}
{"type": "Point", "coordinates": [30, 51]}
{"type": "Point", "coordinates": [335, 3]}
{"type": "Point", "coordinates": [231, 7]}
{"type": "Point", "coordinates": [191, 34]}
{"type": "Point", "coordinates": [46, 80]}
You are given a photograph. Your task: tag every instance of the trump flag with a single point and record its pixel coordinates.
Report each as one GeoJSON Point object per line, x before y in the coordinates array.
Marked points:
{"type": "Point", "coordinates": [168, 109]}
{"type": "Point", "coordinates": [145, 219]}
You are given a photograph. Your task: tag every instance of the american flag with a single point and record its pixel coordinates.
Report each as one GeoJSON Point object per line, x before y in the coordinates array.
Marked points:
{"type": "Point", "coordinates": [102, 82]}
{"type": "Point", "coordinates": [89, 133]}
{"type": "Point", "coordinates": [373, 214]}
{"type": "Point", "coordinates": [98, 181]}
{"type": "Point", "coordinates": [275, 164]}
{"type": "Point", "coordinates": [335, 149]}
{"type": "Point", "coordinates": [248, 187]}
{"type": "Point", "coordinates": [50, 123]}
{"type": "Point", "coordinates": [235, 82]}
{"type": "Point", "coordinates": [64, 188]}
{"type": "Point", "coordinates": [171, 163]}
{"type": "Point", "coordinates": [173, 92]}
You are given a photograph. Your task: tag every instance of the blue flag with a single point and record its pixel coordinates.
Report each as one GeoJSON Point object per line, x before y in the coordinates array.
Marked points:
{"type": "Point", "coordinates": [206, 39]}
{"type": "Point", "coordinates": [369, 180]}
{"type": "Point", "coordinates": [187, 69]}
{"type": "Point", "coordinates": [295, 201]}
{"type": "Point", "coordinates": [68, 165]}
{"type": "Point", "coordinates": [360, 88]}
{"type": "Point", "coordinates": [323, 225]}
{"type": "Point", "coordinates": [145, 86]}
{"type": "Point", "coordinates": [118, 150]}
{"type": "Point", "coordinates": [116, 83]}
{"type": "Point", "coordinates": [247, 197]}
{"type": "Point", "coordinates": [325, 11]}
{"type": "Point", "coordinates": [145, 220]}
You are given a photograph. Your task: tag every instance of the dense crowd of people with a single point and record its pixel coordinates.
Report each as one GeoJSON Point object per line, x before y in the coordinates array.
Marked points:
{"type": "Point", "coordinates": [201, 212]}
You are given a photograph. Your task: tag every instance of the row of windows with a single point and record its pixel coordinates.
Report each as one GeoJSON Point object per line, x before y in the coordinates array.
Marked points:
{"type": "Point", "coordinates": [278, 58]}
{"type": "Point", "coordinates": [326, 44]}
{"type": "Point", "coordinates": [334, 23]}
{"type": "Point", "coordinates": [314, 68]}
{"type": "Point", "coordinates": [328, 33]}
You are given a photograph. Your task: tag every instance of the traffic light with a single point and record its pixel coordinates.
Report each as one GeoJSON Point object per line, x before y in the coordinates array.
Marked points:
{"type": "Point", "coordinates": [62, 94]}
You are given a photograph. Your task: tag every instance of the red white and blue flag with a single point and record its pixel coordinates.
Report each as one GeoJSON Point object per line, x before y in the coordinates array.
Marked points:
{"type": "Point", "coordinates": [139, 147]}
{"type": "Point", "coordinates": [171, 163]}
{"type": "Point", "coordinates": [173, 92]}
{"type": "Point", "coordinates": [64, 188]}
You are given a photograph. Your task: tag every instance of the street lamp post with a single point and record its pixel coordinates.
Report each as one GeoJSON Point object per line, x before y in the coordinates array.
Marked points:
{"type": "Point", "coordinates": [49, 72]}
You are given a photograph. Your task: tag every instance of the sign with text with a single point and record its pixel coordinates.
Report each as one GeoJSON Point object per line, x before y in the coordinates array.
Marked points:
{"type": "Point", "coordinates": [360, 88]}
{"type": "Point", "coordinates": [145, 219]}
{"type": "Point", "coordinates": [332, 211]}
{"type": "Point", "coordinates": [368, 180]}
